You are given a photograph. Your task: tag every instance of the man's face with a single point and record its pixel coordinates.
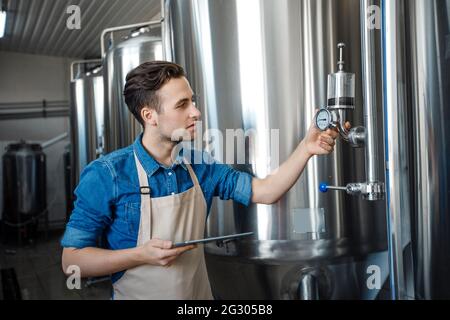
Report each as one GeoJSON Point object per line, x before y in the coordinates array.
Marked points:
{"type": "Point", "coordinates": [178, 111]}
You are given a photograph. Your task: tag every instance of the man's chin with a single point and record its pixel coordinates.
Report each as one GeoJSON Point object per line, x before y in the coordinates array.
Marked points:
{"type": "Point", "coordinates": [187, 137]}
{"type": "Point", "coordinates": [183, 135]}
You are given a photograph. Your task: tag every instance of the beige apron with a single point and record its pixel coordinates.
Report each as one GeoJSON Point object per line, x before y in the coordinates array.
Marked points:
{"type": "Point", "coordinates": [178, 217]}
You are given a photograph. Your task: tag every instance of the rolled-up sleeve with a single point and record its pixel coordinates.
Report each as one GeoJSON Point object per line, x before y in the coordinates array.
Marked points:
{"type": "Point", "coordinates": [92, 211]}
{"type": "Point", "coordinates": [231, 184]}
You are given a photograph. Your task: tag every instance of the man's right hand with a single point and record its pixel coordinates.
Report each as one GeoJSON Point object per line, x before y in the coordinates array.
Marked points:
{"type": "Point", "coordinates": [160, 253]}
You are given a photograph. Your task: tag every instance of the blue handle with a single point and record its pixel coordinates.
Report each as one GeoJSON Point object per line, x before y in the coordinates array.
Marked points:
{"type": "Point", "coordinates": [323, 187]}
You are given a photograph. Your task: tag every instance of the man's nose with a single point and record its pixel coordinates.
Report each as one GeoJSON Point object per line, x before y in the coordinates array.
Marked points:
{"type": "Point", "coordinates": [195, 113]}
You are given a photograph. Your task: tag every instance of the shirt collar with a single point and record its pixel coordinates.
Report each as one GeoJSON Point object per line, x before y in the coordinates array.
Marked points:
{"type": "Point", "coordinates": [149, 163]}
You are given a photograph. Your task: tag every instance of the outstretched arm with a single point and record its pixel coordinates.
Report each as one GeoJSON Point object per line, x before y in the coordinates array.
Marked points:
{"type": "Point", "coordinates": [270, 189]}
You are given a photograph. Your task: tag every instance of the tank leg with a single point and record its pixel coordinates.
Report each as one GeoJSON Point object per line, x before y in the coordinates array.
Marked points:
{"type": "Point", "coordinates": [308, 288]}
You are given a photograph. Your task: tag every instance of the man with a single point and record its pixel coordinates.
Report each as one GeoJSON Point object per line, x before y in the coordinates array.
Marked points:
{"type": "Point", "coordinates": [141, 199]}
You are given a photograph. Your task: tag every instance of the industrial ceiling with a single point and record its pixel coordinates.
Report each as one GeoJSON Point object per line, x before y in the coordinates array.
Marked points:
{"type": "Point", "coordinates": [39, 26]}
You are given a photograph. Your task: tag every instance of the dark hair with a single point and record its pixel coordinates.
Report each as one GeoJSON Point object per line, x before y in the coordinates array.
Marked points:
{"type": "Point", "coordinates": [143, 82]}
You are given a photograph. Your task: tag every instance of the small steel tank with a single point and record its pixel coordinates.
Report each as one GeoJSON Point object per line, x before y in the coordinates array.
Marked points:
{"type": "Point", "coordinates": [24, 188]}
{"type": "Point", "coordinates": [138, 47]}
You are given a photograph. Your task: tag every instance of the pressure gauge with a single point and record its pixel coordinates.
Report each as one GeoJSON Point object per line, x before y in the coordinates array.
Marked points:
{"type": "Point", "coordinates": [323, 119]}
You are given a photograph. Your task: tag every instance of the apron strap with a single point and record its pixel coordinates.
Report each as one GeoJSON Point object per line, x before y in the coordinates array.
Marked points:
{"type": "Point", "coordinates": [145, 221]}
{"type": "Point", "coordinates": [191, 173]}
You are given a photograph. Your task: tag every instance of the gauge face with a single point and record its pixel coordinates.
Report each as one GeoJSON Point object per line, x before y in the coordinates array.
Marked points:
{"type": "Point", "coordinates": [323, 119]}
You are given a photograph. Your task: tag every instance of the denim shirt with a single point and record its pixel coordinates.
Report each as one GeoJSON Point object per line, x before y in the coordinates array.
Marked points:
{"type": "Point", "coordinates": [108, 198]}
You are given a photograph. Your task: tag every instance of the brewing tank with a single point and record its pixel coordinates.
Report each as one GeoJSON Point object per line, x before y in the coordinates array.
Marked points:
{"type": "Point", "coordinates": [24, 182]}
{"type": "Point", "coordinates": [261, 68]}
{"type": "Point", "coordinates": [417, 64]}
{"type": "Point", "coordinates": [139, 46]}
{"type": "Point", "coordinates": [87, 120]}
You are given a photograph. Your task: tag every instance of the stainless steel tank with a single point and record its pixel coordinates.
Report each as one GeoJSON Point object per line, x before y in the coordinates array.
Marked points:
{"type": "Point", "coordinates": [417, 91]}
{"type": "Point", "coordinates": [263, 65]}
{"type": "Point", "coordinates": [429, 49]}
{"type": "Point", "coordinates": [87, 119]}
{"type": "Point", "coordinates": [140, 46]}
{"type": "Point", "coordinates": [24, 183]}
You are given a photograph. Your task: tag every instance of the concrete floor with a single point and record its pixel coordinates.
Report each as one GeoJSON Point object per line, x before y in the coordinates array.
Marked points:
{"type": "Point", "coordinates": [39, 272]}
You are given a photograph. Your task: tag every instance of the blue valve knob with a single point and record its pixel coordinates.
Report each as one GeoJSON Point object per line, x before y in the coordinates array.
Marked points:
{"type": "Point", "coordinates": [323, 187]}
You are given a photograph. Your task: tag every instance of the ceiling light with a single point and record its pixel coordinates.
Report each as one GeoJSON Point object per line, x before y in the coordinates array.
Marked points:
{"type": "Point", "coordinates": [2, 23]}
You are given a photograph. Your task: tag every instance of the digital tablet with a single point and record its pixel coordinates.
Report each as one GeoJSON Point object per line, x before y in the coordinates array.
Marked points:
{"type": "Point", "coordinates": [221, 238]}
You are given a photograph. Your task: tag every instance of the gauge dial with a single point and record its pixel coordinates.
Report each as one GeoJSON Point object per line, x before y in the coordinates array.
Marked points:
{"type": "Point", "coordinates": [323, 119]}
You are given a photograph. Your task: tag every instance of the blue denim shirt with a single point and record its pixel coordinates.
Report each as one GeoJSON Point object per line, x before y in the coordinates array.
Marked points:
{"type": "Point", "coordinates": [108, 197]}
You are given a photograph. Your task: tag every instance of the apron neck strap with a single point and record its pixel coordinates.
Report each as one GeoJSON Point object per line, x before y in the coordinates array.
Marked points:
{"type": "Point", "coordinates": [143, 181]}
{"type": "Point", "coordinates": [191, 172]}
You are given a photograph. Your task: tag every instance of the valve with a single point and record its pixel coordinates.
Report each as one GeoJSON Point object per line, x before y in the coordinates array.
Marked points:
{"type": "Point", "coordinates": [369, 191]}
{"type": "Point", "coordinates": [340, 100]}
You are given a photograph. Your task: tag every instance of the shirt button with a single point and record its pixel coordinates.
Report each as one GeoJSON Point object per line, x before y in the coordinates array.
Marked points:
{"type": "Point", "coordinates": [172, 193]}
{"type": "Point", "coordinates": [170, 173]}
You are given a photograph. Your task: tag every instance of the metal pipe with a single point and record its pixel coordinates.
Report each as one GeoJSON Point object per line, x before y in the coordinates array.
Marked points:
{"type": "Point", "coordinates": [368, 58]}
{"type": "Point", "coordinates": [337, 188]}
{"type": "Point", "coordinates": [13, 107]}
{"type": "Point", "coordinates": [343, 131]}
{"type": "Point", "coordinates": [28, 110]}
{"type": "Point", "coordinates": [76, 62]}
{"type": "Point", "coordinates": [34, 114]}
{"type": "Point", "coordinates": [54, 140]}
{"type": "Point", "coordinates": [166, 37]}
{"type": "Point", "coordinates": [35, 108]}
{"type": "Point", "coordinates": [130, 26]}
{"type": "Point", "coordinates": [162, 4]}
{"type": "Point", "coordinates": [395, 112]}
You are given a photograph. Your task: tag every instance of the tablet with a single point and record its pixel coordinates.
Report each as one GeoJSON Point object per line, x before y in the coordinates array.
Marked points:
{"type": "Point", "coordinates": [221, 238]}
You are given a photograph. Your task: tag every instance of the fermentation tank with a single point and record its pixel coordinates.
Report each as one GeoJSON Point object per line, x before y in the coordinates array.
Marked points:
{"type": "Point", "coordinates": [260, 68]}
{"type": "Point", "coordinates": [416, 51]}
{"type": "Point", "coordinates": [86, 115]}
{"type": "Point", "coordinates": [24, 188]}
{"type": "Point", "coordinates": [138, 46]}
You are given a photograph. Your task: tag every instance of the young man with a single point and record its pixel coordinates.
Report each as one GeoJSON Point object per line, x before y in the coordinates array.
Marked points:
{"type": "Point", "coordinates": [141, 199]}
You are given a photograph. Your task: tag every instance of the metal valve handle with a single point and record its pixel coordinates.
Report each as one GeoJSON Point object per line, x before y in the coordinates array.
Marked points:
{"type": "Point", "coordinates": [323, 187]}
{"type": "Point", "coordinates": [341, 62]}
{"type": "Point", "coordinates": [372, 190]}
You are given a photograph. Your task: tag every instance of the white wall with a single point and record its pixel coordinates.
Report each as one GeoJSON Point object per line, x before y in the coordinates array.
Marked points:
{"type": "Point", "coordinates": [30, 78]}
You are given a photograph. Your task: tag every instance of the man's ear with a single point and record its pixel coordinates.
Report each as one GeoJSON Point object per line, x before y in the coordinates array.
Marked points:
{"type": "Point", "coordinates": [150, 116]}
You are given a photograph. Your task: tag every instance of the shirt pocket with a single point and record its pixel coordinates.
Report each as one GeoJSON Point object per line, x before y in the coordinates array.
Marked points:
{"type": "Point", "coordinates": [133, 216]}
